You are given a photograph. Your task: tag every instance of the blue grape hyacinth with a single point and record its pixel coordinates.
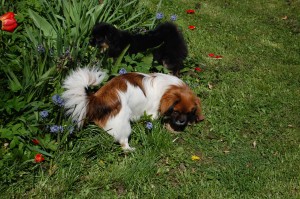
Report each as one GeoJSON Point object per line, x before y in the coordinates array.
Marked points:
{"type": "Point", "coordinates": [44, 114]}
{"type": "Point", "coordinates": [149, 125]}
{"type": "Point", "coordinates": [173, 17]}
{"type": "Point", "coordinates": [122, 71]}
{"type": "Point", "coordinates": [40, 48]}
{"type": "Point", "coordinates": [58, 100]}
{"type": "Point", "coordinates": [56, 129]}
{"type": "Point", "coordinates": [159, 15]}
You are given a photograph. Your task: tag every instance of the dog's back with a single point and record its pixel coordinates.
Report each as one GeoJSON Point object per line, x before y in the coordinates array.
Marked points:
{"type": "Point", "coordinates": [174, 49]}
{"type": "Point", "coordinates": [170, 47]}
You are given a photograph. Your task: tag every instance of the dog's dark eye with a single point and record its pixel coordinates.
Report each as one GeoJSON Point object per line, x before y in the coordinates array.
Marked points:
{"type": "Point", "coordinates": [99, 40]}
{"type": "Point", "coordinates": [192, 115]}
{"type": "Point", "coordinates": [175, 113]}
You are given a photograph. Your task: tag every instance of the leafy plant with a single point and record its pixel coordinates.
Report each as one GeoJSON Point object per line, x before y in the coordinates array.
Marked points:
{"type": "Point", "coordinates": [52, 38]}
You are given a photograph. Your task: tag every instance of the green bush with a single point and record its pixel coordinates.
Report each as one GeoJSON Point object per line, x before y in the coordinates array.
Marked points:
{"type": "Point", "coordinates": [52, 38]}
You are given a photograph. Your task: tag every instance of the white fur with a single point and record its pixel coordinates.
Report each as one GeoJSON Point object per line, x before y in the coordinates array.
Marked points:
{"type": "Point", "coordinates": [75, 94]}
{"type": "Point", "coordinates": [135, 103]}
{"type": "Point", "coordinates": [133, 100]}
{"type": "Point", "coordinates": [155, 86]}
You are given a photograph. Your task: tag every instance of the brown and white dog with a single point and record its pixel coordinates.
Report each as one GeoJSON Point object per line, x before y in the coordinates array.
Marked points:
{"type": "Point", "coordinates": [126, 98]}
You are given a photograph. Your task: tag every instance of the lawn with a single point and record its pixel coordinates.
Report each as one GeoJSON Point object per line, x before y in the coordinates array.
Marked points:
{"type": "Point", "coordinates": [247, 146]}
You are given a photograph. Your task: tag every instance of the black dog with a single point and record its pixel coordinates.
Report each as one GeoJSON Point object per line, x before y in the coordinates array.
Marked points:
{"type": "Point", "coordinates": [169, 46]}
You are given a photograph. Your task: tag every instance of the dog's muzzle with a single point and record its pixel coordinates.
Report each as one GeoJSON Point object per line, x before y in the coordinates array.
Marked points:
{"type": "Point", "coordinates": [103, 47]}
{"type": "Point", "coordinates": [181, 120]}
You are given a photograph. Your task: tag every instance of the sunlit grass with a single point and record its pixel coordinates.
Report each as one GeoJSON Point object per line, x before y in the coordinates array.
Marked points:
{"type": "Point", "coordinates": [248, 145]}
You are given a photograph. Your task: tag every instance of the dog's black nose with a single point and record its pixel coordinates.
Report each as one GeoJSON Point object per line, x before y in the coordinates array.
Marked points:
{"type": "Point", "coordinates": [181, 120]}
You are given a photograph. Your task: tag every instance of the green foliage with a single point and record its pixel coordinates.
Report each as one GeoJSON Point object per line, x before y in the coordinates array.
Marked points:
{"type": "Point", "coordinates": [137, 63]}
{"type": "Point", "coordinates": [248, 144]}
{"type": "Point", "coordinates": [52, 38]}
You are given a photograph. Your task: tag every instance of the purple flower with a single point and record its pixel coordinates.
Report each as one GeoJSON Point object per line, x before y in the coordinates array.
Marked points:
{"type": "Point", "coordinates": [40, 48]}
{"type": "Point", "coordinates": [122, 71]}
{"type": "Point", "coordinates": [58, 100]}
{"type": "Point", "coordinates": [173, 17]}
{"type": "Point", "coordinates": [149, 125]}
{"type": "Point", "coordinates": [56, 129]}
{"type": "Point", "coordinates": [67, 53]}
{"type": "Point", "coordinates": [44, 114]}
{"type": "Point", "coordinates": [159, 15]}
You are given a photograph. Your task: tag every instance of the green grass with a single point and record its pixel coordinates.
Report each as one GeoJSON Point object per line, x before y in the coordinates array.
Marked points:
{"type": "Point", "coordinates": [250, 141]}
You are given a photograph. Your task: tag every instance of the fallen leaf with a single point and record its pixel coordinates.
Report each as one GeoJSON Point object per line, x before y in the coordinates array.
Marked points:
{"type": "Point", "coordinates": [211, 55]}
{"type": "Point", "coordinates": [284, 18]}
{"type": "Point", "coordinates": [248, 165]}
{"type": "Point", "coordinates": [210, 86]}
{"type": "Point", "coordinates": [254, 144]}
{"type": "Point", "coordinates": [192, 27]}
{"type": "Point", "coordinates": [101, 162]}
{"type": "Point", "coordinates": [182, 167]}
{"type": "Point", "coordinates": [195, 158]}
{"type": "Point", "coordinates": [190, 11]}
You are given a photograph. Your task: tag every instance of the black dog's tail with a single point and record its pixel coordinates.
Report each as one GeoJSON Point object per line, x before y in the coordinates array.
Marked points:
{"type": "Point", "coordinates": [169, 34]}
{"type": "Point", "coordinates": [173, 50]}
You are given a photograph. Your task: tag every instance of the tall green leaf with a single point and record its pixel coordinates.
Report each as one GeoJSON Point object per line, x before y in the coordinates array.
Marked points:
{"type": "Point", "coordinates": [42, 24]}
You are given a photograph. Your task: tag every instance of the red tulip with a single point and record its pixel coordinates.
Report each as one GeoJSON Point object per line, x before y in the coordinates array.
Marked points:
{"type": "Point", "coordinates": [192, 27]}
{"type": "Point", "coordinates": [39, 158]}
{"type": "Point", "coordinates": [8, 22]}
{"type": "Point", "coordinates": [35, 141]}
{"type": "Point", "coordinates": [190, 11]}
{"type": "Point", "coordinates": [211, 55]}
{"type": "Point", "coordinates": [219, 57]}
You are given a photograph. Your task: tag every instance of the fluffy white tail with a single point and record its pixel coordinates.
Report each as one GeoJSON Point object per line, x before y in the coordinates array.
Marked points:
{"type": "Point", "coordinates": [75, 96]}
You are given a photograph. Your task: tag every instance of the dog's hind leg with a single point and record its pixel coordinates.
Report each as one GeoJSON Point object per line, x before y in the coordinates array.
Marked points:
{"type": "Point", "coordinates": [125, 145]}
{"type": "Point", "coordinates": [119, 127]}
{"type": "Point", "coordinates": [121, 131]}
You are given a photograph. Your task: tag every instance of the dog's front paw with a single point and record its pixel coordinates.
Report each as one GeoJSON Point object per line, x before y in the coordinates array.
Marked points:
{"type": "Point", "coordinates": [125, 146]}
{"type": "Point", "coordinates": [128, 149]}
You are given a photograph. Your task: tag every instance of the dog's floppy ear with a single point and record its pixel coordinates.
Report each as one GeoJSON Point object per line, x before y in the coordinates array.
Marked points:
{"type": "Point", "coordinates": [168, 101]}
{"type": "Point", "coordinates": [111, 32]}
{"type": "Point", "coordinates": [199, 116]}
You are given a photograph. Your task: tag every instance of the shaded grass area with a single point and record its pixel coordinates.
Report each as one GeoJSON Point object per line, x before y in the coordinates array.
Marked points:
{"type": "Point", "coordinates": [249, 143]}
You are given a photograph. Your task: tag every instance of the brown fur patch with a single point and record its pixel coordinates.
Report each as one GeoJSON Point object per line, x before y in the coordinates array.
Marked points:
{"type": "Point", "coordinates": [105, 103]}
{"type": "Point", "coordinates": [199, 115]}
{"type": "Point", "coordinates": [181, 99]}
{"type": "Point", "coordinates": [103, 47]}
